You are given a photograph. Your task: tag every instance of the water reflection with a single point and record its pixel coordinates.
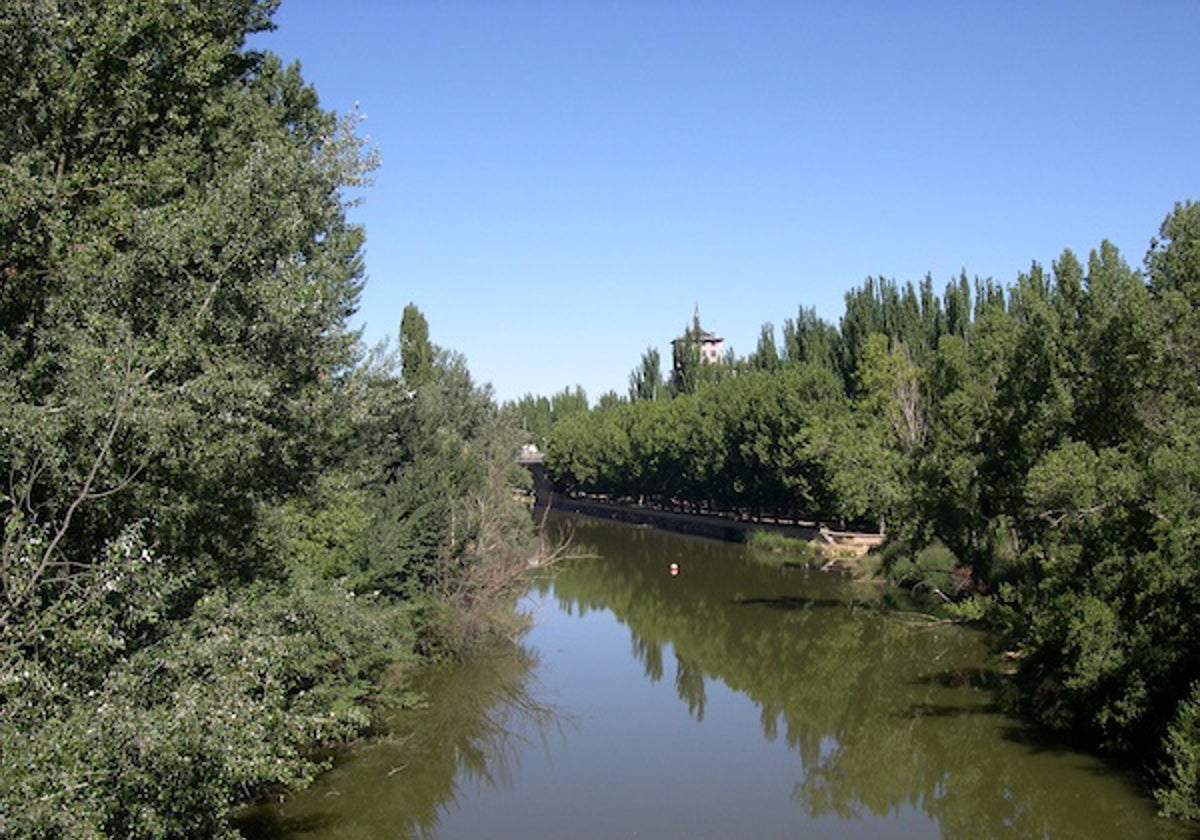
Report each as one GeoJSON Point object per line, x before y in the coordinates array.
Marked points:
{"type": "Point", "coordinates": [884, 715]}
{"type": "Point", "coordinates": [726, 699]}
{"type": "Point", "coordinates": [475, 718]}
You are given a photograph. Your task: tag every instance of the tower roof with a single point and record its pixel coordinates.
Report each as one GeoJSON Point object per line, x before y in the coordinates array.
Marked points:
{"type": "Point", "coordinates": [698, 332]}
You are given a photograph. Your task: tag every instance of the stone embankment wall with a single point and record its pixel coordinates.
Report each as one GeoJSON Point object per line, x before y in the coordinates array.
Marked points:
{"type": "Point", "coordinates": [713, 527]}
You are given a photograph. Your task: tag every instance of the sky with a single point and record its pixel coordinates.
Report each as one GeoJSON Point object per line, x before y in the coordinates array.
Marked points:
{"type": "Point", "coordinates": [563, 182]}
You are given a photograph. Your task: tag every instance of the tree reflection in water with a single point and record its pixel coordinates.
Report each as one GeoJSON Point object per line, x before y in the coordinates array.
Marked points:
{"type": "Point", "coordinates": [887, 722]}
{"type": "Point", "coordinates": [467, 732]}
{"type": "Point", "coordinates": [883, 713]}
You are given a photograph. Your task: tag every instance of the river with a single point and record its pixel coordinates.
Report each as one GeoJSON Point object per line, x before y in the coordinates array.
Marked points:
{"type": "Point", "coordinates": [732, 699]}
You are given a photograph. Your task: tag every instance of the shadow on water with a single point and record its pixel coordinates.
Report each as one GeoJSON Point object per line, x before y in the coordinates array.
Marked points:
{"type": "Point", "coordinates": [987, 679]}
{"type": "Point", "coordinates": [794, 603]}
{"type": "Point", "coordinates": [934, 710]}
{"type": "Point", "coordinates": [468, 731]}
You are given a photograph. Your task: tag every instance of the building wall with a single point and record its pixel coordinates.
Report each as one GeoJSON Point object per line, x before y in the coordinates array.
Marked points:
{"type": "Point", "coordinates": [711, 351]}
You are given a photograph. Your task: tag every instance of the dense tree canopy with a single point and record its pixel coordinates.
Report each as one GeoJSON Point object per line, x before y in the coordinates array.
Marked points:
{"type": "Point", "coordinates": [221, 524]}
{"type": "Point", "coordinates": [1044, 433]}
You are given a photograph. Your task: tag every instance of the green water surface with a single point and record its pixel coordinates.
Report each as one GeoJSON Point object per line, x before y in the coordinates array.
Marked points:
{"type": "Point", "coordinates": [731, 700]}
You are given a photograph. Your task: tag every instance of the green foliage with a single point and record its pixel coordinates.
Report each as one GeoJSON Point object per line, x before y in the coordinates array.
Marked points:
{"type": "Point", "coordinates": [774, 548]}
{"type": "Point", "coordinates": [177, 269]}
{"type": "Point", "coordinates": [690, 370]}
{"type": "Point", "coordinates": [537, 415]}
{"type": "Point", "coordinates": [868, 447]}
{"type": "Point", "coordinates": [1035, 442]}
{"type": "Point", "coordinates": [164, 741]}
{"type": "Point", "coordinates": [609, 400]}
{"type": "Point", "coordinates": [686, 361]}
{"type": "Point", "coordinates": [808, 339]}
{"type": "Point", "coordinates": [1179, 794]}
{"type": "Point", "coordinates": [221, 526]}
{"type": "Point", "coordinates": [646, 381]}
{"type": "Point", "coordinates": [766, 354]}
{"type": "Point", "coordinates": [443, 530]}
{"type": "Point", "coordinates": [738, 443]}
{"type": "Point", "coordinates": [1173, 263]}
{"type": "Point", "coordinates": [931, 568]}
{"type": "Point", "coordinates": [317, 530]}
{"type": "Point", "coordinates": [416, 353]}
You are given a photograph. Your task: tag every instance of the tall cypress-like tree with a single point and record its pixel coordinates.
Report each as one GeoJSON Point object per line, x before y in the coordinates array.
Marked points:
{"type": "Point", "coordinates": [686, 360]}
{"type": "Point", "coordinates": [646, 381]}
{"type": "Point", "coordinates": [766, 354]}
{"type": "Point", "coordinates": [416, 353]}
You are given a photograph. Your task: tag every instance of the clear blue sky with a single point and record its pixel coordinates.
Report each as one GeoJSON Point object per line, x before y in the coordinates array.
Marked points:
{"type": "Point", "coordinates": [562, 182]}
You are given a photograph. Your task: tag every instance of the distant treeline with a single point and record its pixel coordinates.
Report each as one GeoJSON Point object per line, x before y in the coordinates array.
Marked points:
{"type": "Point", "coordinates": [1047, 433]}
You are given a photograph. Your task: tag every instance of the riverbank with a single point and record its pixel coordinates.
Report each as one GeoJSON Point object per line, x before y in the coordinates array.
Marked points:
{"type": "Point", "coordinates": [720, 527]}
{"type": "Point", "coordinates": [822, 692]}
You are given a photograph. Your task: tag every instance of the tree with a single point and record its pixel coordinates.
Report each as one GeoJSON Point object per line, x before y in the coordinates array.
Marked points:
{"type": "Point", "coordinates": [188, 448]}
{"type": "Point", "coordinates": [765, 355]}
{"type": "Point", "coordinates": [532, 414]}
{"type": "Point", "coordinates": [416, 353]}
{"type": "Point", "coordinates": [812, 340]}
{"type": "Point", "coordinates": [869, 450]}
{"type": "Point", "coordinates": [1110, 343]}
{"type": "Point", "coordinates": [646, 381]}
{"type": "Point", "coordinates": [567, 402]}
{"type": "Point", "coordinates": [175, 216]}
{"type": "Point", "coordinates": [686, 361]}
{"type": "Point", "coordinates": [609, 400]}
{"type": "Point", "coordinates": [1173, 262]}
{"type": "Point", "coordinates": [220, 523]}
{"type": "Point", "coordinates": [1173, 268]}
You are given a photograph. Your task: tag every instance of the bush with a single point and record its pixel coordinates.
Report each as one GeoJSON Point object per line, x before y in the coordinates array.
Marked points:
{"type": "Point", "coordinates": [1180, 795]}
{"type": "Point", "coordinates": [159, 732]}
{"type": "Point", "coordinates": [932, 568]}
{"type": "Point", "coordinates": [775, 549]}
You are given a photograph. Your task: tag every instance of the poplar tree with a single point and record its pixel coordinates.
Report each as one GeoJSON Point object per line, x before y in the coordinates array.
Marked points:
{"type": "Point", "coordinates": [646, 381]}
{"type": "Point", "coordinates": [416, 353]}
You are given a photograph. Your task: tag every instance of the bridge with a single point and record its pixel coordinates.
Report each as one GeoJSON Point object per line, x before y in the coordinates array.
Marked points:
{"type": "Point", "coordinates": [535, 461]}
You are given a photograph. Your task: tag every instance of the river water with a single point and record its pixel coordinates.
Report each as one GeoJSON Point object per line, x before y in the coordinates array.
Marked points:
{"type": "Point", "coordinates": [734, 699]}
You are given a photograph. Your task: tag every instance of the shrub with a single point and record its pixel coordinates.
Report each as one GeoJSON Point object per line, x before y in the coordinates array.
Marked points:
{"type": "Point", "coordinates": [775, 549]}
{"type": "Point", "coordinates": [1180, 794]}
{"type": "Point", "coordinates": [931, 568]}
{"type": "Point", "coordinates": [166, 725]}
